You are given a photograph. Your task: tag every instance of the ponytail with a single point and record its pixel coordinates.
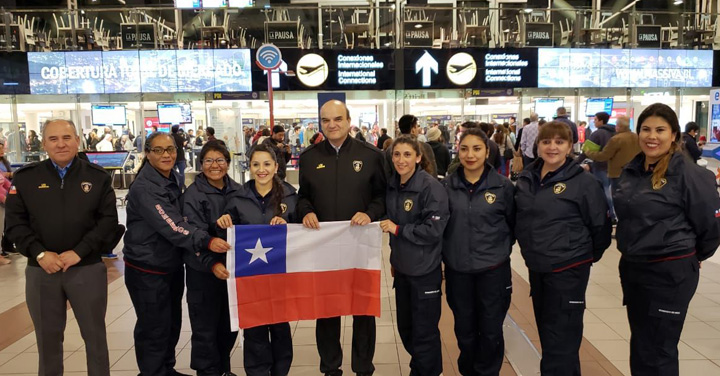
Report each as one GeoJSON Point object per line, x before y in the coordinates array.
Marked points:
{"type": "Point", "coordinates": [662, 166]}
{"type": "Point", "coordinates": [278, 194]}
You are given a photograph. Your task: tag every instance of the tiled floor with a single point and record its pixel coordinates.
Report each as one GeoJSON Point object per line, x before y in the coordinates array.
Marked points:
{"type": "Point", "coordinates": [605, 349]}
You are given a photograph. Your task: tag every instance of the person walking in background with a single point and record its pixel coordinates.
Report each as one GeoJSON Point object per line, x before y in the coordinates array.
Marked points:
{"type": "Point", "coordinates": [440, 151]}
{"type": "Point", "coordinates": [527, 140]}
{"type": "Point", "coordinates": [62, 229]}
{"type": "Point", "coordinates": [619, 151]}
{"type": "Point", "coordinates": [597, 141]}
{"type": "Point", "coordinates": [689, 138]}
{"type": "Point", "coordinates": [180, 162]}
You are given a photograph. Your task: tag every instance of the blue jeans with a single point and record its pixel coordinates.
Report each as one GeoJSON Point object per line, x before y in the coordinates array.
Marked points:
{"type": "Point", "coordinates": [602, 176]}
{"type": "Point", "coordinates": [180, 165]}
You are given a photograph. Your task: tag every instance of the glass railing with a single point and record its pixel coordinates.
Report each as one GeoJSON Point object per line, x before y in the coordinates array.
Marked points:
{"type": "Point", "coordinates": [337, 27]}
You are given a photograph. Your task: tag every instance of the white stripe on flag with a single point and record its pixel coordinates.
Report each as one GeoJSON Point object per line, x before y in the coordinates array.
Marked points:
{"type": "Point", "coordinates": [336, 246]}
{"type": "Point", "coordinates": [231, 283]}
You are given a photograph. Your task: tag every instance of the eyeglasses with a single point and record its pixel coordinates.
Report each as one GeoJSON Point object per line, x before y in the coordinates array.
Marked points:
{"type": "Point", "coordinates": [219, 161]}
{"type": "Point", "coordinates": [160, 151]}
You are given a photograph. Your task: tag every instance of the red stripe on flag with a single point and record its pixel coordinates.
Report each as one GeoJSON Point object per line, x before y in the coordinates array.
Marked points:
{"type": "Point", "coordinates": [275, 298]}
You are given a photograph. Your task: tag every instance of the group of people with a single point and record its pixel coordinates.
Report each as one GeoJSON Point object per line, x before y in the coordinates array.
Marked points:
{"type": "Point", "coordinates": [468, 221]}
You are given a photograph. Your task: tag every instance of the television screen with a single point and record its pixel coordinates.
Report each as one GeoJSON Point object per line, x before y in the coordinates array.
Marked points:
{"type": "Point", "coordinates": [108, 115]}
{"type": "Point", "coordinates": [214, 3]}
{"type": "Point", "coordinates": [187, 4]}
{"type": "Point", "coordinates": [240, 3]}
{"type": "Point", "coordinates": [547, 107]}
{"type": "Point", "coordinates": [109, 160]}
{"type": "Point", "coordinates": [174, 113]}
{"type": "Point", "coordinates": [595, 105]}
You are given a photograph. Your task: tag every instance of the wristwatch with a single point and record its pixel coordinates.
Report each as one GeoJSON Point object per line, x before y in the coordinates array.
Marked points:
{"type": "Point", "coordinates": [40, 256]}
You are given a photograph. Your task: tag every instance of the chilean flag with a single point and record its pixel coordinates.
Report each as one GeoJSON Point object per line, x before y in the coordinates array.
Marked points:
{"type": "Point", "coordinates": [286, 273]}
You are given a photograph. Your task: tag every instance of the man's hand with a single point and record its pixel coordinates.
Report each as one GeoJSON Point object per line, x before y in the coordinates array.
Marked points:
{"type": "Point", "coordinates": [278, 221]}
{"type": "Point", "coordinates": [585, 167]}
{"type": "Point", "coordinates": [224, 222]}
{"type": "Point", "coordinates": [388, 226]}
{"type": "Point", "coordinates": [311, 221]}
{"type": "Point", "coordinates": [51, 263]}
{"type": "Point", "coordinates": [218, 245]}
{"type": "Point", "coordinates": [220, 271]}
{"type": "Point", "coordinates": [360, 219]}
{"type": "Point", "coordinates": [69, 258]}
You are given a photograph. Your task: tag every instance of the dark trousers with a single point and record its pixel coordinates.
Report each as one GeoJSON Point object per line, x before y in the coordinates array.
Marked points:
{"type": "Point", "coordinates": [327, 334]}
{"type": "Point", "coordinates": [157, 299]}
{"type": "Point", "coordinates": [479, 302]}
{"type": "Point", "coordinates": [85, 287]}
{"type": "Point", "coordinates": [212, 341]}
{"type": "Point", "coordinates": [559, 304]}
{"type": "Point", "coordinates": [418, 302]}
{"type": "Point", "coordinates": [267, 349]}
{"type": "Point", "coordinates": [657, 296]}
{"type": "Point", "coordinates": [180, 165]}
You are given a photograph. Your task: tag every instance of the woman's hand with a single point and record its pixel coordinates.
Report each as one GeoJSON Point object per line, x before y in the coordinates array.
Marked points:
{"type": "Point", "coordinates": [224, 222]}
{"type": "Point", "coordinates": [278, 221]}
{"type": "Point", "coordinates": [388, 226]}
{"type": "Point", "coordinates": [220, 271]}
{"type": "Point", "coordinates": [218, 245]}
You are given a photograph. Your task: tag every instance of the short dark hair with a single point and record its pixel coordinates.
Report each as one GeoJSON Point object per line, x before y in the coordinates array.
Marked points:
{"type": "Point", "coordinates": [214, 146]}
{"type": "Point", "coordinates": [383, 130]}
{"type": "Point", "coordinates": [603, 116]}
{"type": "Point", "coordinates": [692, 126]}
{"type": "Point", "coordinates": [407, 123]}
{"type": "Point", "coordinates": [175, 128]}
{"type": "Point", "coordinates": [526, 121]}
{"type": "Point", "coordinates": [210, 131]}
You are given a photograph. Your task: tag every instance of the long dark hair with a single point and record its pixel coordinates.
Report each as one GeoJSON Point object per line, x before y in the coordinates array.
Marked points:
{"type": "Point", "coordinates": [148, 145]}
{"type": "Point", "coordinates": [664, 111]}
{"type": "Point", "coordinates": [415, 144]}
{"type": "Point", "coordinates": [278, 189]}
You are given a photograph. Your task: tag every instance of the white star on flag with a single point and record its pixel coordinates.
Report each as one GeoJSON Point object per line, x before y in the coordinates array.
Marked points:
{"type": "Point", "coordinates": [258, 252]}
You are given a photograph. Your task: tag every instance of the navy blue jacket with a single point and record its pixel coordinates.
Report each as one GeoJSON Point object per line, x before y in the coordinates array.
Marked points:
{"type": "Point", "coordinates": [245, 209]}
{"type": "Point", "coordinates": [601, 136]}
{"type": "Point", "coordinates": [335, 186]}
{"type": "Point", "coordinates": [202, 205]}
{"type": "Point", "coordinates": [157, 233]}
{"type": "Point", "coordinates": [420, 209]}
{"type": "Point", "coordinates": [479, 234]}
{"type": "Point", "coordinates": [561, 221]}
{"type": "Point", "coordinates": [679, 218]}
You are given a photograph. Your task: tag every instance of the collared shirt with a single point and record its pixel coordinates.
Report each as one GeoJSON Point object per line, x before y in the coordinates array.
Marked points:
{"type": "Point", "coordinates": [61, 170]}
{"type": "Point", "coordinates": [471, 187]}
{"type": "Point", "coordinates": [530, 133]}
{"type": "Point", "coordinates": [337, 148]}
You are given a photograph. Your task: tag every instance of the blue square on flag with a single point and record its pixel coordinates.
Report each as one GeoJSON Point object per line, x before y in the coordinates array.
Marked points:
{"type": "Point", "coordinates": [260, 249]}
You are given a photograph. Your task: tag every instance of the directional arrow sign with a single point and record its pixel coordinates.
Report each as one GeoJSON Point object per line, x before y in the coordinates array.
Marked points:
{"type": "Point", "coordinates": [276, 74]}
{"type": "Point", "coordinates": [427, 64]}
{"type": "Point", "coordinates": [716, 153]}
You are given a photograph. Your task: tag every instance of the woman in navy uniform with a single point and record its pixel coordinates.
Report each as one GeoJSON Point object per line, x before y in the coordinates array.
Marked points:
{"type": "Point", "coordinates": [203, 203]}
{"type": "Point", "coordinates": [157, 233]}
{"type": "Point", "coordinates": [417, 211]}
{"type": "Point", "coordinates": [266, 199]}
{"type": "Point", "coordinates": [562, 226]}
{"type": "Point", "coordinates": [668, 222]}
{"type": "Point", "coordinates": [476, 251]}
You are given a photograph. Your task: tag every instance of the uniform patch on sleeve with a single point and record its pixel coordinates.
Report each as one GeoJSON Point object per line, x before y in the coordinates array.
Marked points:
{"type": "Point", "coordinates": [717, 212]}
{"type": "Point", "coordinates": [13, 191]}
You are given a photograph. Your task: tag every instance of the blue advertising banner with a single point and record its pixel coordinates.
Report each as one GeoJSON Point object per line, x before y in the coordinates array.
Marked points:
{"type": "Point", "coordinates": [600, 68]}
{"type": "Point", "coordinates": [146, 71]}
